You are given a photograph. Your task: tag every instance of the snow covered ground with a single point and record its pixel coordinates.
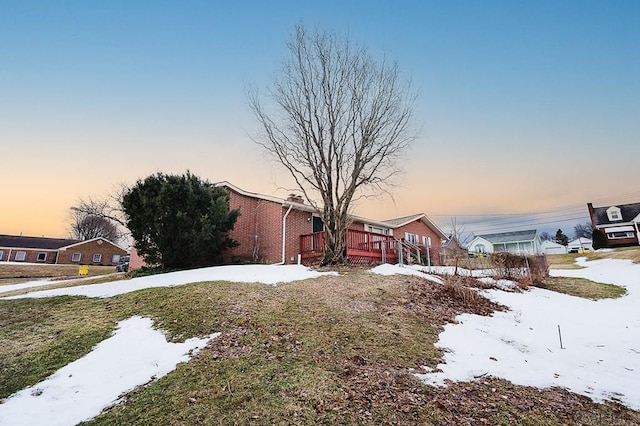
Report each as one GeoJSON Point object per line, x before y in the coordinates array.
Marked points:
{"type": "Point", "coordinates": [600, 354]}
{"type": "Point", "coordinates": [134, 355]}
{"type": "Point", "coordinates": [267, 274]}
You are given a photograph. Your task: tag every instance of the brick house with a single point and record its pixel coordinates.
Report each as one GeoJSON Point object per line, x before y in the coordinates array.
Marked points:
{"type": "Point", "coordinates": [619, 224]}
{"type": "Point", "coordinates": [275, 230]}
{"type": "Point", "coordinates": [97, 251]}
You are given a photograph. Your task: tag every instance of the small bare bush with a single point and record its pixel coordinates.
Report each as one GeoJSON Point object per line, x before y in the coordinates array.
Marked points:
{"type": "Point", "coordinates": [455, 286]}
{"type": "Point", "coordinates": [526, 270]}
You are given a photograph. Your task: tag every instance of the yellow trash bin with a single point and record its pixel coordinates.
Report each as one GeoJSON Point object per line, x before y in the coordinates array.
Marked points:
{"type": "Point", "coordinates": [83, 270]}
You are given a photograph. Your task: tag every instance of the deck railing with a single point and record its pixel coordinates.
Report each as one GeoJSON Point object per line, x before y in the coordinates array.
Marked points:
{"type": "Point", "coordinates": [370, 247]}
{"type": "Point", "coordinates": [362, 246]}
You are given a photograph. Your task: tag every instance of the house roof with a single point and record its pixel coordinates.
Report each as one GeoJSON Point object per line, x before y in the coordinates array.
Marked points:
{"type": "Point", "coordinates": [77, 243]}
{"type": "Point", "coordinates": [510, 237]}
{"type": "Point", "coordinates": [42, 243]}
{"type": "Point", "coordinates": [45, 243]}
{"type": "Point", "coordinates": [549, 243]}
{"type": "Point", "coordinates": [390, 223]}
{"type": "Point", "coordinates": [295, 205]}
{"type": "Point", "coordinates": [628, 212]}
{"type": "Point", "coordinates": [580, 241]}
{"type": "Point", "coordinates": [400, 221]}
{"type": "Point", "coordinates": [453, 242]}
{"type": "Point", "coordinates": [404, 220]}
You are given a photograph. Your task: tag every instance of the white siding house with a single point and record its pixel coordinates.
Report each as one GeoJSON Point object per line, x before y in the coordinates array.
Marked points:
{"type": "Point", "coordinates": [551, 247]}
{"type": "Point", "coordinates": [517, 242]}
{"type": "Point", "coordinates": [580, 244]}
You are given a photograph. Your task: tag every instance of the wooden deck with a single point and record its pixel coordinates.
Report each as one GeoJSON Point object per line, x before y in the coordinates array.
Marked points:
{"type": "Point", "coordinates": [363, 248]}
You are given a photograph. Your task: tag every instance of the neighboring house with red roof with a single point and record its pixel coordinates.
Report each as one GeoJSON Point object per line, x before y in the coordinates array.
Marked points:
{"type": "Point", "coordinates": [276, 230]}
{"type": "Point", "coordinates": [97, 251]}
{"type": "Point", "coordinates": [620, 223]}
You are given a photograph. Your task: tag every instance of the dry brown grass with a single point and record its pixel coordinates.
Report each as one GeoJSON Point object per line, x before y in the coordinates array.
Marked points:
{"type": "Point", "coordinates": [55, 283]}
{"type": "Point", "coordinates": [334, 350]}
{"type": "Point", "coordinates": [458, 287]}
{"type": "Point", "coordinates": [568, 261]}
{"type": "Point", "coordinates": [564, 261]}
{"type": "Point", "coordinates": [630, 253]}
{"type": "Point", "coordinates": [582, 287]}
{"type": "Point", "coordinates": [15, 273]}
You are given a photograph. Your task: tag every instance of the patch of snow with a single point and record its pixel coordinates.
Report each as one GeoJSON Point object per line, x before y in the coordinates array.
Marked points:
{"type": "Point", "coordinates": [600, 354]}
{"type": "Point", "coordinates": [450, 270]}
{"type": "Point", "coordinates": [502, 284]}
{"type": "Point", "coordinates": [20, 286]}
{"type": "Point", "coordinates": [267, 274]}
{"type": "Point", "coordinates": [388, 269]}
{"type": "Point", "coordinates": [134, 355]}
{"type": "Point", "coordinates": [39, 283]}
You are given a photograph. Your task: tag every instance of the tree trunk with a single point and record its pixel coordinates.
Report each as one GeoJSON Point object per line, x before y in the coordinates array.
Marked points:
{"type": "Point", "coordinates": [335, 251]}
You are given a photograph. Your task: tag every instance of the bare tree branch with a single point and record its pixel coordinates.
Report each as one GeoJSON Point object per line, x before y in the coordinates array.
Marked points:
{"type": "Point", "coordinates": [94, 217]}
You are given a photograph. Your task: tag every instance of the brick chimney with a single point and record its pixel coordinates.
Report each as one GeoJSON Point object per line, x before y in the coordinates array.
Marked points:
{"type": "Point", "coordinates": [591, 216]}
{"type": "Point", "coordinates": [295, 198]}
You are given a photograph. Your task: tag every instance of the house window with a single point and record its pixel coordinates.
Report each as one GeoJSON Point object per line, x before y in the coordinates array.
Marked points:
{"type": "Point", "coordinates": [42, 257]}
{"type": "Point", "coordinates": [614, 213]}
{"type": "Point", "coordinates": [411, 238]}
{"type": "Point", "coordinates": [97, 258]}
{"type": "Point", "coordinates": [378, 230]}
{"type": "Point", "coordinates": [20, 256]}
{"type": "Point", "coordinates": [426, 241]}
{"type": "Point", "coordinates": [1, 254]}
{"type": "Point", "coordinates": [115, 258]}
{"type": "Point", "coordinates": [75, 257]}
{"type": "Point", "coordinates": [615, 235]}
{"type": "Point", "coordinates": [480, 248]}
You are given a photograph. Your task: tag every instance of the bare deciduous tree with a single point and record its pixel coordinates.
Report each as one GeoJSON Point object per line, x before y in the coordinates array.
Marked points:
{"type": "Point", "coordinates": [87, 214]}
{"type": "Point", "coordinates": [583, 230]}
{"type": "Point", "coordinates": [339, 122]}
{"type": "Point", "coordinates": [454, 249]}
{"type": "Point", "coordinates": [87, 226]}
{"type": "Point", "coordinates": [545, 236]}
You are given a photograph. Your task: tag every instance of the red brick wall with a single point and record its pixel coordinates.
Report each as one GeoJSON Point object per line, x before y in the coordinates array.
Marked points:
{"type": "Point", "coordinates": [419, 228]}
{"type": "Point", "coordinates": [357, 226]}
{"type": "Point", "coordinates": [135, 260]}
{"type": "Point", "coordinates": [298, 223]}
{"type": "Point", "coordinates": [259, 229]}
{"type": "Point", "coordinates": [31, 256]}
{"type": "Point", "coordinates": [88, 249]}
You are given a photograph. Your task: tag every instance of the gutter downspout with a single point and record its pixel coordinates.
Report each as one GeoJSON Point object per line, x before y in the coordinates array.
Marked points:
{"type": "Point", "coordinates": [284, 236]}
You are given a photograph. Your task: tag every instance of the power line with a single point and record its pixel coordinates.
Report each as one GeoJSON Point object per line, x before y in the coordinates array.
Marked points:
{"type": "Point", "coordinates": [631, 197]}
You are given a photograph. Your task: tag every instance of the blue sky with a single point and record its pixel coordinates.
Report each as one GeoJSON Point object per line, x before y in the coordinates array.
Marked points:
{"type": "Point", "coordinates": [523, 106]}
